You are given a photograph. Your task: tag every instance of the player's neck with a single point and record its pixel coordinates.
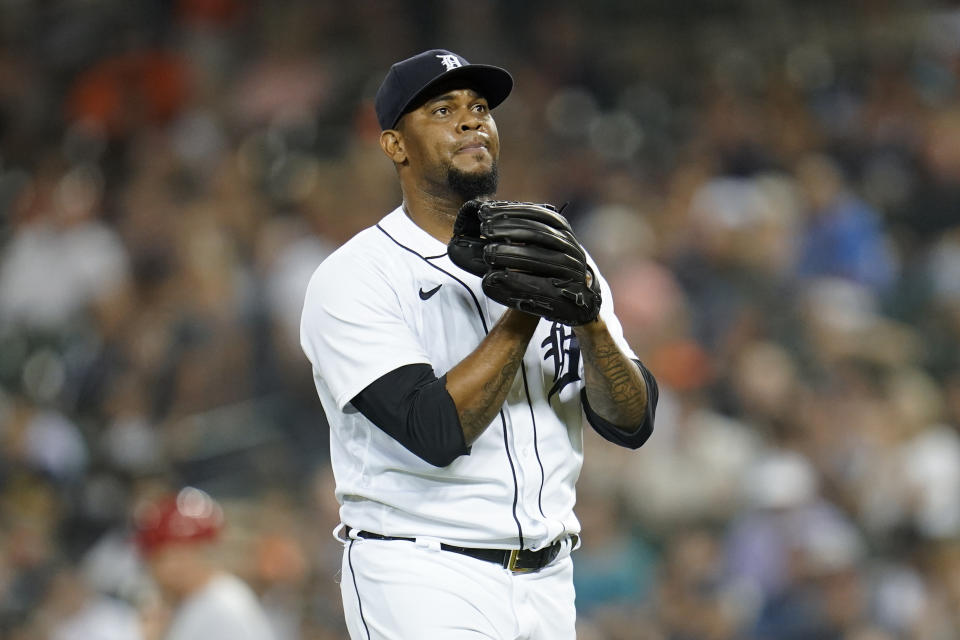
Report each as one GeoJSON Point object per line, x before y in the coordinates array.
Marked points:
{"type": "Point", "coordinates": [433, 213]}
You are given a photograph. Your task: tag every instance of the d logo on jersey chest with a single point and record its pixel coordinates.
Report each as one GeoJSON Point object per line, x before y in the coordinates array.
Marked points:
{"type": "Point", "coordinates": [562, 346]}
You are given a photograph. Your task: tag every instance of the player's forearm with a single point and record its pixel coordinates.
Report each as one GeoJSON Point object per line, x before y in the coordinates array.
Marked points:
{"type": "Point", "coordinates": [615, 387]}
{"type": "Point", "coordinates": [480, 382]}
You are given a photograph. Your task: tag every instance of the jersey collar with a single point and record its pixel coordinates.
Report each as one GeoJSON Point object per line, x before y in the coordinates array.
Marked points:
{"type": "Point", "coordinates": [405, 231]}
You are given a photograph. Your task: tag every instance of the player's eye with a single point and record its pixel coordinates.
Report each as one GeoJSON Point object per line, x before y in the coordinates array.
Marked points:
{"type": "Point", "coordinates": [441, 111]}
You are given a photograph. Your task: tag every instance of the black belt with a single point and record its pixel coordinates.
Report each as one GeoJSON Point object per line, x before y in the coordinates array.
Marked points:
{"type": "Point", "coordinates": [515, 560]}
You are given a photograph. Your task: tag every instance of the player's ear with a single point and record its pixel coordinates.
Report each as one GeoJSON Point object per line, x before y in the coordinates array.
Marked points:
{"type": "Point", "coordinates": [391, 141]}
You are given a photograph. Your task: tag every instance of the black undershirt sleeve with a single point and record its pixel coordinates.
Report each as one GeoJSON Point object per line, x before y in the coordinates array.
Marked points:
{"type": "Point", "coordinates": [413, 407]}
{"type": "Point", "coordinates": [636, 438]}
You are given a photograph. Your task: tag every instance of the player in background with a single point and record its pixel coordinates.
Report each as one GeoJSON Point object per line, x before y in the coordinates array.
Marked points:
{"type": "Point", "coordinates": [177, 536]}
{"type": "Point", "coordinates": [457, 390]}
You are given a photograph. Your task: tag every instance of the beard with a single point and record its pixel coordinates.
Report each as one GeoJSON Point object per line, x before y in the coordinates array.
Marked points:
{"type": "Point", "coordinates": [473, 185]}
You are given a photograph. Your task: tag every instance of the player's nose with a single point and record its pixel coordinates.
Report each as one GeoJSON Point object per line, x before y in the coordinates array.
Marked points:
{"type": "Point", "coordinates": [470, 121]}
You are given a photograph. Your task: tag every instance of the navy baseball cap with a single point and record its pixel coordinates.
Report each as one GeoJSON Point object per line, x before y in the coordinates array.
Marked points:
{"type": "Point", "coordinates": [411, 80]}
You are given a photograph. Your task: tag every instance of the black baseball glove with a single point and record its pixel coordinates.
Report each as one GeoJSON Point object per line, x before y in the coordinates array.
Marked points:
{"type": "Point", "coordinates": [528, 257]}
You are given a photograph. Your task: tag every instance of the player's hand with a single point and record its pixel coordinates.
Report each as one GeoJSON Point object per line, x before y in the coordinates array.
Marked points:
{"type": "Point", "coordinates": [531, 260]}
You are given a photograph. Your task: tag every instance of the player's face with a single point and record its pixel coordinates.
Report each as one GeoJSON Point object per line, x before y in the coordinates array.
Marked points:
{"type": "Point", "coordinates": [452, 132]}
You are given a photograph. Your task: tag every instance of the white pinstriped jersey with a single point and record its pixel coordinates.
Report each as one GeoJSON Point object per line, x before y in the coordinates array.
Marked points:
{"type": "Point", "coordinates": [391, 297]}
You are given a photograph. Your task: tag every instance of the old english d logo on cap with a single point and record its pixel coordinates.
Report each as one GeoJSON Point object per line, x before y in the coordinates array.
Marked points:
{"type": "Point", "coordinates": [409, 82]}
{"type": "Point", "coordinates": [449, 61]}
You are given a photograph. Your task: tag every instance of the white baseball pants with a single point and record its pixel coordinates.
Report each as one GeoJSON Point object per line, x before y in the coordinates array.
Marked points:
{"type": "Point", "coordinates": [399, 590]}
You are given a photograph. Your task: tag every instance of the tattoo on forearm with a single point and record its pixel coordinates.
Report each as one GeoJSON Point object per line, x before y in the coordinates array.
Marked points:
{"type": "Point", "coordinates": [470, 421]}
{"type": "Point", "coordinates": [615, 387]}
{"type": "Point", "coordinates": [475, 418]}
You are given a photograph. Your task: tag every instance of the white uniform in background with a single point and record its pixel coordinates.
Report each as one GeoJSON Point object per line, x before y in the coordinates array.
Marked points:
{"type": "Point", "coordinates": [224, 609]}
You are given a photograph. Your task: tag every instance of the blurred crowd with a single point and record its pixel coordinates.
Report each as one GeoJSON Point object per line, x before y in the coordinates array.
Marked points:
{"type": "Point", "coordinates": [772, 189]}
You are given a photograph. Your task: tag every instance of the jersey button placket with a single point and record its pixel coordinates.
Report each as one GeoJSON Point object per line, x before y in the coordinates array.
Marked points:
{"type": "Point", "coordinates": [528, 475]}
{"type": "Point", "coordinates": [517, 445]}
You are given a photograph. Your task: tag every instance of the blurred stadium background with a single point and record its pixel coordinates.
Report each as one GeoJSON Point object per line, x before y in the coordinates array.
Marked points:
{"type": "Point", "coordinates": [772, 188]}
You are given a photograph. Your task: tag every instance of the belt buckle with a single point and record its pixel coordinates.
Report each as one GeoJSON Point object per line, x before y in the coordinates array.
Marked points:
{"type": "Point", "coordinates": [512, 562]}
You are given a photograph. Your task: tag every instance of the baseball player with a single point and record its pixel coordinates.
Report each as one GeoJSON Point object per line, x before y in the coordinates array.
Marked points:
{"type": "Point", "coordinates": [458, 347]}
{"type": "Point", "coordinates": [174, 534]}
